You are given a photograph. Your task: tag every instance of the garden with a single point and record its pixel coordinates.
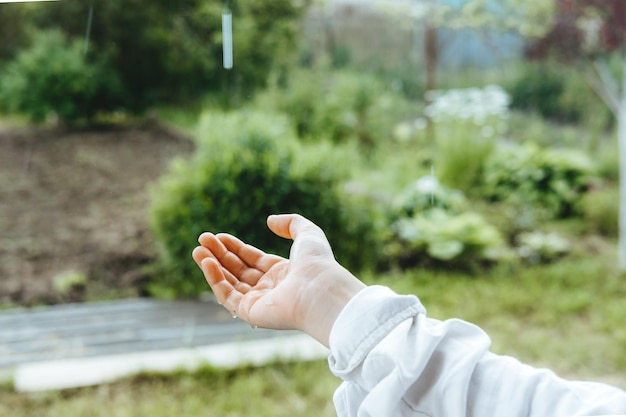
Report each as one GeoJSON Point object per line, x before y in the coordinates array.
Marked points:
{"type": "Point", "coordinates": [490, 191]}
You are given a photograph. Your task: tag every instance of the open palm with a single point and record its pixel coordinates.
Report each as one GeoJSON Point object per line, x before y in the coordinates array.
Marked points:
{"type": "Point", "coordinates": [263, 289]}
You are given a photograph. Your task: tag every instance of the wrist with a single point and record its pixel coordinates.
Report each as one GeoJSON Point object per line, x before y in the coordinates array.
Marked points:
{"type": "Point", "coordinates": [330, 292]}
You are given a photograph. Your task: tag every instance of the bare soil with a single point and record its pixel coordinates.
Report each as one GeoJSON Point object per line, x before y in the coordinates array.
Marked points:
{"type": "Point", "coordinates": [76, 202]}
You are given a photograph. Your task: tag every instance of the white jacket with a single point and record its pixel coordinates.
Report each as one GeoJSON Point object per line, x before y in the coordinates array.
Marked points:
{"type": "Point", "coordinates": [396, 362]}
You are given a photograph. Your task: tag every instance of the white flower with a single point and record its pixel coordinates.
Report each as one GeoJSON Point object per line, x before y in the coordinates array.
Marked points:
{"type": "Point", "coordinates": [428, 184]}
{"type": "Point", "coordinates": [420, 123]}
{"type": "Point", "coordinates": [468, 103]}
{"type": "Point", "coordinates": [487, 132]}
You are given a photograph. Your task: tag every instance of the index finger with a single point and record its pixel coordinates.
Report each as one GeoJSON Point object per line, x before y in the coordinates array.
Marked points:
{"type": "Point", "coordinates": [250, 255]}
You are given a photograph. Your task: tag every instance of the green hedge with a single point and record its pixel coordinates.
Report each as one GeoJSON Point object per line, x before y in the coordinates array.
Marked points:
{"type": "Point", "coordinates": [54, 76]}
{"type": "Point", "coordinates": [249, 165]}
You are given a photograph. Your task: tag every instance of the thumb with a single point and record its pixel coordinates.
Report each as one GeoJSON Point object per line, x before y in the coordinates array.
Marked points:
{"type": "Point", "coordinates": [301, 230]}
{"type": "Point", "coordinates": [292, 226]}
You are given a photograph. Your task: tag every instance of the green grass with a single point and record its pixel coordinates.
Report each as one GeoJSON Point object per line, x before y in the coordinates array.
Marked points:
{"type": "Point", "coordinates": [567, 316]}
{"type": "Point", "coordinates": [303, 389]}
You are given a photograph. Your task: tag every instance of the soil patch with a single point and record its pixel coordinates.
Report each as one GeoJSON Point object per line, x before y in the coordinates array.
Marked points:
{"type": "Point", "coordinates": [75, 203]}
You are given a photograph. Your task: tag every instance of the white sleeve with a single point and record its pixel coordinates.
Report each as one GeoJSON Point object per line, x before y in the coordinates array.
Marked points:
{"type": "Point", "coordinates": [396, 362]}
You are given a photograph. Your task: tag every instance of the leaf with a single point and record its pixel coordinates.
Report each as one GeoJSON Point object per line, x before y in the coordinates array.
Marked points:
{"type": "Point", "coordinates": [445, 251]}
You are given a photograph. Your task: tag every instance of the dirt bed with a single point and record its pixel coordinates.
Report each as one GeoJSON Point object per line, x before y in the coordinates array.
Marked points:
{"type": "Point", "coordinates": [76, 202]}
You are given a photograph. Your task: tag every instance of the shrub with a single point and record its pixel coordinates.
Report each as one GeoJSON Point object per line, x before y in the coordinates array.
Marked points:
{"type": "Point", "coordinates": [608, 160]}
{"type": "Point", "coordinates": [464, 238]}
{"type": "Point", "coordinates": [438, 230]}
{"type": "Point", "coordinates": [167, 50]}
{"type": "Point", "coordinates": [247, 166]}
{"type": "Point", "coordinates": [339, 106]}
{"type": "Point", "coordinates": [537, 247]}
{"type": "Point", "coordinates": [550, 180]}
{"type": "Point", "coordinates": [558, 93]}
{"type": "Point", "coordinates": [426, 194]}
{"type": "Point", "coordinates": [540, 88]}
{"type": "Point", "coordinates": [601, 211]}
{"type": "Point", "coordinates": [468, 121]}
{"type": "Point", "coordinates": [54, 76]}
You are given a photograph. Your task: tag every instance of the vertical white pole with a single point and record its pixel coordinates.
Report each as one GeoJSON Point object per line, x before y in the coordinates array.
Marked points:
{"type": "Point", "coordinates": [621, 128]}
{"type": "Point", "coordinates": [88, 30]}
{"type": "Point", "coordinates": [227, 39]}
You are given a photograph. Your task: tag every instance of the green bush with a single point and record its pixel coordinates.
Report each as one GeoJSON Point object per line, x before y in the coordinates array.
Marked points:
{"type": "Point", "coordinates": [467, 123]}
{"type": "Point", "coordinates": [426, 194]}
{"type": "Point", "coordinates": [54, 77]}
{"type": "Point", "coordinates": [539, 89]}
{"type": "Point", "coordinates": [247, 166]}
{"type": "Point", "coordinates": [435, 229]}
{"type": "Point", "coordinates": [166, 50]}
{"type": "Point", "coordinates": [538, 247]}
{"type": "Point", "coordinates": [339, 106]}
{"type": "Point", "coordinates": [550, 180]}
{"type": "Point", "coordinates": [558, 93]}
{"type": "Point", "coordinates": [601, 211]}
{"type": "Point", "coordinates": [461, 156]}
{"type": "Point", "coordinates": [608, 160]}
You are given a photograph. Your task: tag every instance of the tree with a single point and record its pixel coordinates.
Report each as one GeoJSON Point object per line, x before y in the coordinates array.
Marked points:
{"type": "Point", "coordinates": [13, 30]}
{"type": "Point", "coordinates": [588, 33]}
{"type": "Point", "coordinates": [526, 17]}
{"type": "Point", "coordinates": [54, 75]}
{"type": "Point", "coordinates": [164, 50]}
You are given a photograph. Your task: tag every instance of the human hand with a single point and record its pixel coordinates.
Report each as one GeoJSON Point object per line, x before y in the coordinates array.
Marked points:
{"type": "Point", "coordinates": [305, 292]}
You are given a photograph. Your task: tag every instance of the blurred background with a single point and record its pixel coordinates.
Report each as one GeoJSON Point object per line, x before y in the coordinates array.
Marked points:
{"type": "Point", "coordinates": [466, 151]}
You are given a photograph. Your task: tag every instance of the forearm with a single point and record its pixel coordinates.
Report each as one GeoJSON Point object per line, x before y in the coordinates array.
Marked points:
{"type": "Point", "coordinates": [397, 362]}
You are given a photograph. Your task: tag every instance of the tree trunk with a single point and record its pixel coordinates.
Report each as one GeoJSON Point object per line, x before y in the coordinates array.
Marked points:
{"type": "Point", "coordinates": [431, 53]}
{"type": "Point", "coordinates": [431, 58]}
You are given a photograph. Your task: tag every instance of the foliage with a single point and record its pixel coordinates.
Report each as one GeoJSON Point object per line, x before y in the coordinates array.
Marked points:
{"type": "Point", "coordinates": [425, 194]}
{"type": "Point", "coordinates": [430, 225]}
{"type": "Point", "coordinates": [465, 237]}
{"type": "Point", "coordinates": [404, 78]}
{"type": "Point", "coordinates": [583, 28]}
{"type": "Point", "coordinates": [539, 89]}
{"type": "Point", "coordinates": [590, 135]}
{"type": "Point", "coordinates": [601, 210]}
{"type": "Point", "coordinates": [557, 93]}
{"type": "Point", "coordinates": [339, 106]}
{"type": "Point", "coordinates": [608, 160]}
{"type": "Point", "coordinates": [164, 50]}
{"type": "Point", "coordinates": [536, 246]}
{"type": "Point", "coordinates": [54, 76]}
{"type": "Point", "coordinates": [467, 123]}
{"type": "Point", "coordinates": [528, 17]}
{"type": "Point", "coordinates": [248, 166]}
{"type": "Point", "coordinates": [551, 180]}
{"type": "Point", "coordinates": [13, 32]}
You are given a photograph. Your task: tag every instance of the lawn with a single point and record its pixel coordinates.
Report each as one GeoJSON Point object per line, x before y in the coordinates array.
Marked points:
{"type": "Point", "coordinates": [567, 316]}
